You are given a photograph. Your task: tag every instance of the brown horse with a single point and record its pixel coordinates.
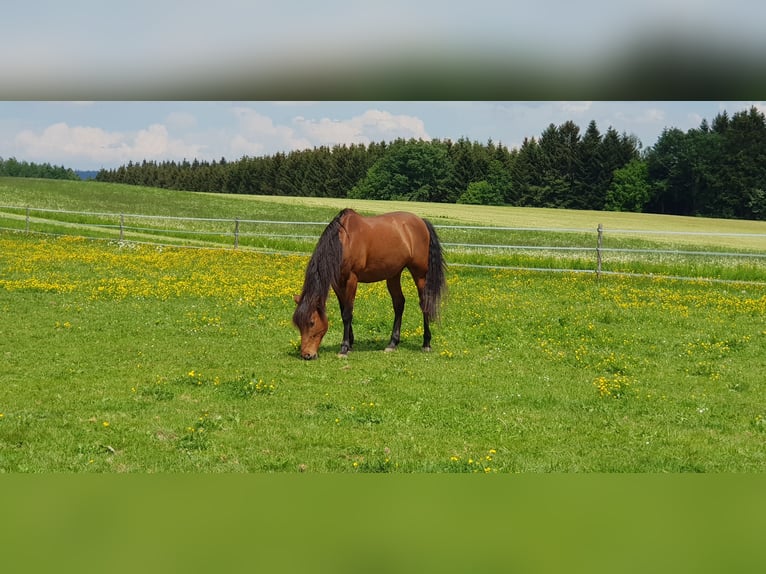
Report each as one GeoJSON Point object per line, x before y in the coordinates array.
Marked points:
{"type": "Point", "coordinates": [355, 249]}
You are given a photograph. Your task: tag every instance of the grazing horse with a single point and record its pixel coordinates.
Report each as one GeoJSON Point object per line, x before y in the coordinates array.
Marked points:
{"type": "Point", "coordinates": [355, 249]}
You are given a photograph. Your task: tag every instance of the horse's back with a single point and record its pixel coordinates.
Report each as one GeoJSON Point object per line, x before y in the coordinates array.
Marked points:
{"type": "Point", "coordinates": [380, 246]}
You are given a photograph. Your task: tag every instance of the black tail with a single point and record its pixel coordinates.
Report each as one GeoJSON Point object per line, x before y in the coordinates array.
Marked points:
{"type": "Point", "coordinates": [436, 281]}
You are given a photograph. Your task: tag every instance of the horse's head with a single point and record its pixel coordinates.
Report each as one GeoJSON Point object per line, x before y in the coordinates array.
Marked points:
{"type": "Point", "coordinates": [312, 323]}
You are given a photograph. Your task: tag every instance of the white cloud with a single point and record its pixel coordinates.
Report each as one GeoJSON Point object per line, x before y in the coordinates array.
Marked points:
{"type": "Point", "coordinates": [745, 106]}
{"type": "Point", "coordinates": [576, 107]}
{"type": "Point", "coordinates": [60, 139]}
{"type": "Point", "coordinates": [372, 125]}
{"type": "Point", "coordinates": [177, 136]}
{"type": "Point", "coordinates": [155, 143]}
{"type": "Point", "coordinates": [86, 147]}
{"type": "Point", "coordinates": [259, 134]}
{"type": "Point", "coordinates": [695, 119]}
{"type": "Point", "coordinates": [652, 116]}
{"type": "Point", "coordinates": [645, 116]}
{"type": "Point", "coordinates": [327, 131]}
{"type": "Point", "coordinates": [241, 146]}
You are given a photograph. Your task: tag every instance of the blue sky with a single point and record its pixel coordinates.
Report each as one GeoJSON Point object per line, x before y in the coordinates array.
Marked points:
{"type": "Point", "coordinates": [92, 135]}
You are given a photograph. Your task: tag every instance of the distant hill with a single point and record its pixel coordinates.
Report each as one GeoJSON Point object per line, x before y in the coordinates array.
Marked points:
{"type": "Point", "coordinates": [86, 174]}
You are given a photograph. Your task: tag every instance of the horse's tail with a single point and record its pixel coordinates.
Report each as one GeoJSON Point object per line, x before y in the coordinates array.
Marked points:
{"type": "Point", "coordinates": [436, 281]}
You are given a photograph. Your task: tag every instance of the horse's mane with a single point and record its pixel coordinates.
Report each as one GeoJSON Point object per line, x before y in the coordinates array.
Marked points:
{"type": "Point", "coordinates": [322, 271]}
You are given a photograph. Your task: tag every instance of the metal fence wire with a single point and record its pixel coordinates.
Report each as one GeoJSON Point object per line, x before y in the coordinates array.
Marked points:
{"type": "Point", "coordinates": [545, 249]}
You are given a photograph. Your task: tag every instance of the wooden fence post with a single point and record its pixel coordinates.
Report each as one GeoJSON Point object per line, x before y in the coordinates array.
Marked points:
{"type": "Point", "coordinates": [122, 226]}
{"type": "Point", "coordinates": [27, 223]}
{"type": "Point", "coordinates": [236, 233]}
{"type": "Point", "coordinates": [599, 244]}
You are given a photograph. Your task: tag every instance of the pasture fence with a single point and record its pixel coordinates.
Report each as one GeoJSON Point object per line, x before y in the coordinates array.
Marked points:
{"type": "Point", "coordinates": [684, 255]}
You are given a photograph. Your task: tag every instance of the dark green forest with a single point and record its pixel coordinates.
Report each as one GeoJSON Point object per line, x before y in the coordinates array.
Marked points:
{"type": "Point", "coordinates": [717, 170]}
{"type": "Point", "coordinates": [11, 167]}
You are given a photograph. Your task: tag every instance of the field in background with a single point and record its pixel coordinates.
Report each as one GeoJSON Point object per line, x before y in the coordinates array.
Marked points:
{"type": "Point", "coordinates": [120, 357]}
{"type": "Point", "coordinates": [473, 235]}
{"type": "Point", "coordinates": [117, 198]}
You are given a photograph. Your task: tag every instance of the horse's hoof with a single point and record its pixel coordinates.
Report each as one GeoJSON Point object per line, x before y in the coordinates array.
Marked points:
{"type": "Point", "coordinates": [343, 355]}
{"type": "Point", "coordinates": [389, 349]}
{"type": "Point", "coordinates": [426, 349]}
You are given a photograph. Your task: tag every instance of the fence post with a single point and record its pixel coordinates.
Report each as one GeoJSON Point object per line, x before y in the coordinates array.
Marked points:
{"type": "Point", "coordinates": [122, 226]}
{"type": "Point", "coordinates": [599, 244]}
{"type": "Point", "coordinates": [236, 233]}
{"type": "Point", "coordinates": [26, 229]}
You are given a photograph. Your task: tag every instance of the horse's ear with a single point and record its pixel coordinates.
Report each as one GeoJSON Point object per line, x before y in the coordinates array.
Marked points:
{"type": "Point", "coordinates": [297, 299]}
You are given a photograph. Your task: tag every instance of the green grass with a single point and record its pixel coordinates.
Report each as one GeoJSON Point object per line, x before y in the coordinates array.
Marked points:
{"type": "Point", "coordinates": [160, 212]}
{"type": "Point", "coordinates": [91, 196]}
{"type": "Point", "coordinates": [121, 357]}
{"type": "Point", "coordinates": [125, 358]}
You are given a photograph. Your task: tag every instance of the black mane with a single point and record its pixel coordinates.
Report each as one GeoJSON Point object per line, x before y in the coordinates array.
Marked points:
{"type": "Point", "coordinates": [322, 272]}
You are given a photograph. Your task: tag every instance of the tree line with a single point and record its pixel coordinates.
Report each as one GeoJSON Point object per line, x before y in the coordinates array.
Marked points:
{"type": "Point", "coordinates": [11, 167]}
{"type": "Point", "coordinates": [561, 168]}
{"type": "Point", "coordinates": [716, 170]}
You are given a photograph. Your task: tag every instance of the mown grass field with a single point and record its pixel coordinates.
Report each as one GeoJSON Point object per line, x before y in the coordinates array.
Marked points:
{"type": "Point", "coordinates": [120, 357]}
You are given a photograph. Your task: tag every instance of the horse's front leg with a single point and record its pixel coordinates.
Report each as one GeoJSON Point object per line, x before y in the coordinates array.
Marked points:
{"type": "Point", "coordinates": [397, 298]}
{"type": "Point", "coordinates": [346, 293]}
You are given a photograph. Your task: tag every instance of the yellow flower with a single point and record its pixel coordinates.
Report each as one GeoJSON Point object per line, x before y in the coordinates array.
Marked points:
{"type": "Point", "coordinates": [105, 424]}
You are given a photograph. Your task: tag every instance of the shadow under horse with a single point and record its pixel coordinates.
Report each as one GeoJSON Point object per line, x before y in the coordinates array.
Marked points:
{"type": "Point", "coordinates": [354, 249]}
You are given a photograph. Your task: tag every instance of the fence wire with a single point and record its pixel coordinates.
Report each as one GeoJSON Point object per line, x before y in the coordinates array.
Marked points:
{"type": "Point", "coordinates": [228, 234]}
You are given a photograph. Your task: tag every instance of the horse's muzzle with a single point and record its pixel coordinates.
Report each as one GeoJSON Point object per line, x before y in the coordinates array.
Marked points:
{"type": "Point", "coordinates": [309, 356]}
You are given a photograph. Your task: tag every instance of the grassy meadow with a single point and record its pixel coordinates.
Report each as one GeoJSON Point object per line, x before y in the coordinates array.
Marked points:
{"type": "Point", "coordinates": [492, 236]}
{"type": "Point", "coordinates": [126, 357]}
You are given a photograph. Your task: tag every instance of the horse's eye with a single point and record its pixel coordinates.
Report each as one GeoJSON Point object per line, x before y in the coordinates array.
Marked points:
{"type": "Point", "coordinates": [311, 324]}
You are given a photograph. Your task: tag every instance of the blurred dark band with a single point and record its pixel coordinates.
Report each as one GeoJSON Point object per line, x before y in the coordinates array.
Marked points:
{"type": "Point", "coordinates": [643, 69]}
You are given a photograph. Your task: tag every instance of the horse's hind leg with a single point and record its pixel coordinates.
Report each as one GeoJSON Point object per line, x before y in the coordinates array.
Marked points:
{"type": "Point", "coordinates": [426, 334]}
{"type": "Point", "coordinates": [420, 283]}
{"type": "Point", "coordinates": [394, 285]}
